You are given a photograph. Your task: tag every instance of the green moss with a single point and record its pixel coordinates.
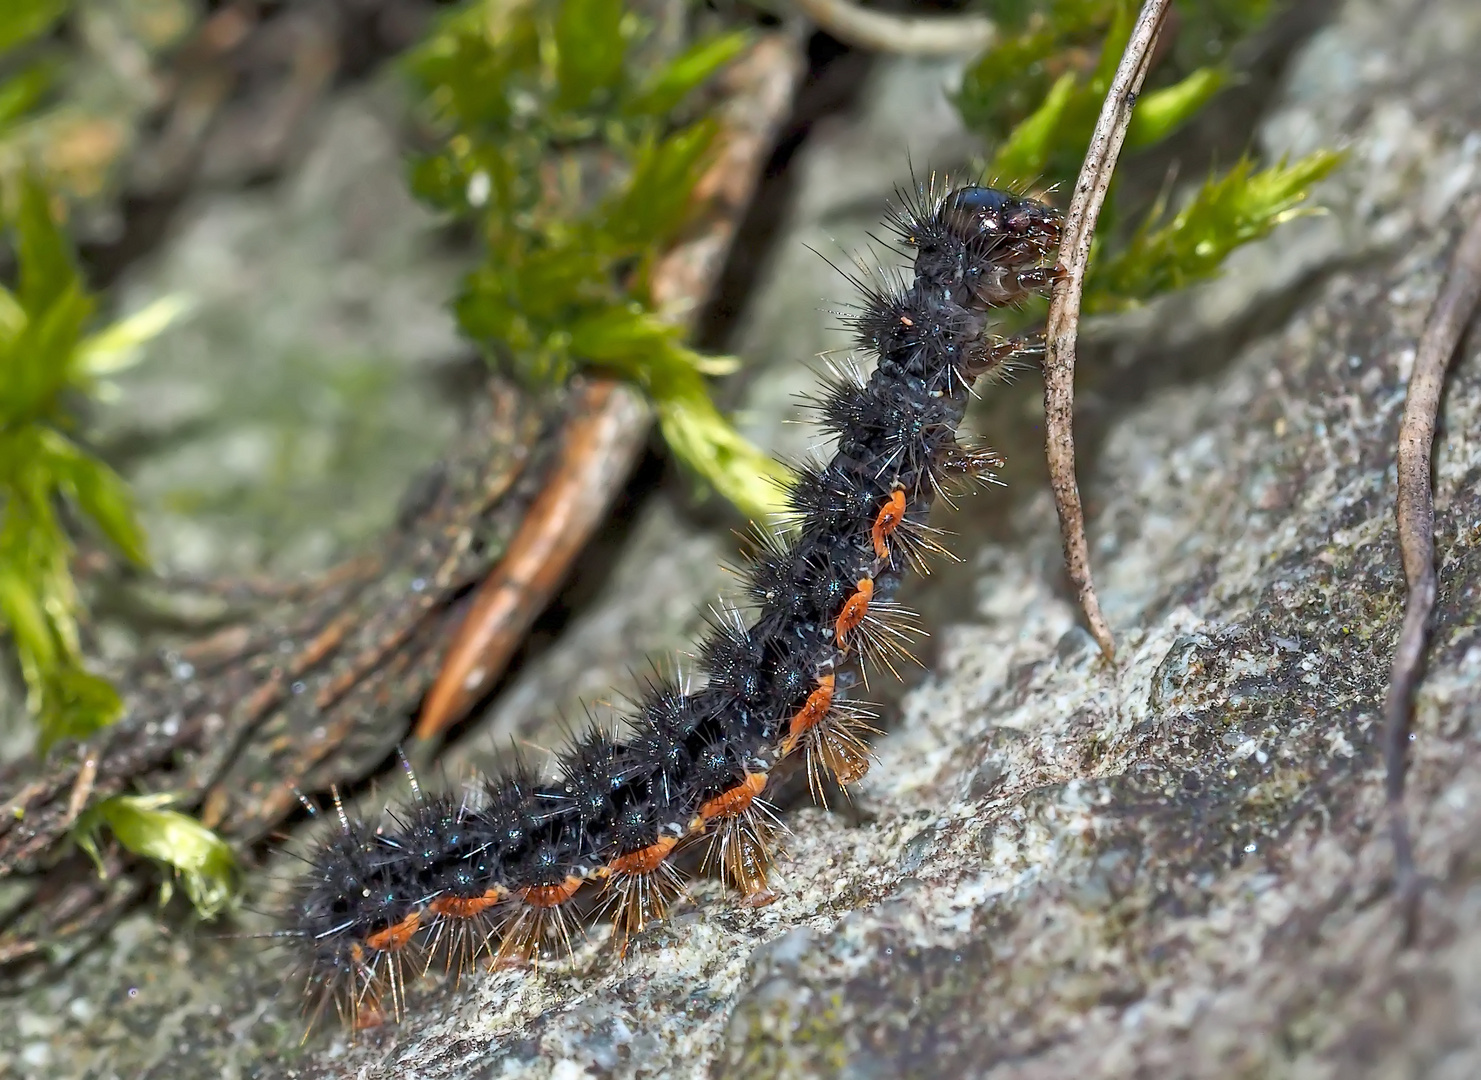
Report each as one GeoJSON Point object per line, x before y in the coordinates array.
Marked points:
{"type": "Point", "coordinates": [22, 21]}
{"type": "Point", "coordinates": [50, 481]}
{"type": "Point", "coordinates": [1230, 210]}
{"type": "Point", "coordinates": [1035, 97]}
{"type": "Point", "coordinates": [568, 143]}
{"type": "Point", "coordinates": [185, 848]}
{"type": "Point", "coordinates": [44, 359]}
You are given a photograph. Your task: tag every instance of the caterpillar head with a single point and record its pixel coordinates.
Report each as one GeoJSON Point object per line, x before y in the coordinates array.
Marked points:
{"type": "Point", "coordinates": [1005, 241]}
{"type": "Point", "coordinates": [1011, 229]}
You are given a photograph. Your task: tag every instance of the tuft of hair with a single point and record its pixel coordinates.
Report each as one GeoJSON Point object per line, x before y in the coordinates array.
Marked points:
{"type": "Point", "coordinates": [837, 747]}
{"type": "Point", "coordinates": [665, 735]}
{"type": "Point", "coordinates": [825, 501]}
{"type": "Point", "coordinates": [634, 900]}
{"type": "Point", "coordinates": [592, 770]}
{"type": "Point", "coordinates": [742, 846]}
{"type": "Point", "coordinates": [533, 933]}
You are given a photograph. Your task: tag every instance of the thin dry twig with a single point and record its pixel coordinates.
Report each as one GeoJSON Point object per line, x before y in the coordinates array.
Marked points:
{"type": "Point", "coordinates": [1063, 323]}
{"type": "Point", "coordinates": [943, 35]}
{"type": "Point", "coordinates": [1415, 511]}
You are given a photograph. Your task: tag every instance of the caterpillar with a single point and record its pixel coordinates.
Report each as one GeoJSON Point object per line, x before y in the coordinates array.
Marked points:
{"type": "Point", "coordinates": [496, 871]}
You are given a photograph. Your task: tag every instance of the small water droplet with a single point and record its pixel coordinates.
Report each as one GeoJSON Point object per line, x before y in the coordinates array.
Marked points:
{"type": "Point", "coordinates": [418, 584]}
{"type": "Point", "coordinates": [299, 686]}
{"type": "Point", "coordinates": [1251, 848]}
{"type": "Point", "coordinates": [184, 670]}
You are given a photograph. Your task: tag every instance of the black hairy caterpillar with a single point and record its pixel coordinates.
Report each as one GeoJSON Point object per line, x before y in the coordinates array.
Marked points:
{"type": "Point", "coordinates": [451, 878]}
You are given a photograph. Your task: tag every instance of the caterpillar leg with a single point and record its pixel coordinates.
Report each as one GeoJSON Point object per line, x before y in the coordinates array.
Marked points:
{"type": "Point", "coordinates": [387, 954]}
{"type": "Point", "coordinates": [536, 923]}
{"type": "Point", "coordinates": [640, 888]}
{"type": "Point", "coordinates": [462, 929]}
{"type": "Point", "coordinates": [995, 358]}
{"type": "Point", "coordinates": [739, 829]}
{"type": "Point", "coordinates": [832, 734]}
{"type": "Point", "coordinates": [901, 539]}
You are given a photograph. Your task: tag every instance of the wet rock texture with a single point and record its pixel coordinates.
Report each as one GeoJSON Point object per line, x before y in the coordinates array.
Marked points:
{"type": "Point", "coordinates": [1055, 870]}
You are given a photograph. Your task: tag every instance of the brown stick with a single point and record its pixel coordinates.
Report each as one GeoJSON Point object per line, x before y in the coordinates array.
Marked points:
{"type": "Point", "coordinates": [1063, 323]}
{"type": "Point", "coordinates": [1415, 511]}
{"type": "Point", "coordinates": [943, 35]}
{"type": "Point", "coordinates": [599, 449]}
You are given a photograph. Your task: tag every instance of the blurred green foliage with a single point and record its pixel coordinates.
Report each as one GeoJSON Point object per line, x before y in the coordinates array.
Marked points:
{"type": "Point", "coordinates": [184, 848]}
{"type": "Point", "coordinates": [44, 357]}
{"type": "Point", "coordinates": [567, 139]}
{"type": "Point", "coordinates": [1166, 253]}
{"type": "Point", "coordinates": [80, 84]}
{"type": "Point", "coordinates": [1035, 97]}
{"type": "Point", "coordinates": [49, 483]}
{"type": "Point", "coordinates": [1042, 41]}
{"type": "Point", "coordinates": [28, 67]}
{"type": "Point", "coordinates": [22, 21]}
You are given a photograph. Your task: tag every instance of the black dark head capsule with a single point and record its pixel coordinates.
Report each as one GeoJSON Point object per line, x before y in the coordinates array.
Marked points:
{"type": "Point", "coordinates": [1020, 228]}
{"type": "Point", "coordinates": [1006, 239]}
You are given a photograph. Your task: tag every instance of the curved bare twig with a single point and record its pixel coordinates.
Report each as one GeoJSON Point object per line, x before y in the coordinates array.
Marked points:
{"type": "Point", "coordinates": [1415, 511]}
{"type": "Point", "coordinates": [1063, 323]}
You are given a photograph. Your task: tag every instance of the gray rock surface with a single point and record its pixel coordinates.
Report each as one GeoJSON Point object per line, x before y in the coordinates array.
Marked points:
{"type": "Point", "coordinates": [1054, 870]}
{"type": "Point", "coordinates": [279, 422]}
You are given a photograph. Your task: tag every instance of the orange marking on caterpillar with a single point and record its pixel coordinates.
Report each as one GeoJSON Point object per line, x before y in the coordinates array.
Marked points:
{"type": "Point", "coordinates": [393, 938]}
{"type": "Point", "coordinates": [644, 860]}
{"type": "Point", "coordinates": [465, 907]}
{"type": "Point", "coordinates": [813, 710]}
{"type": "Point", "coordinates": [550, 895]}
{"type": "Point", "coordinates": [890, 516]}
{"type": "Point", "coordinates": [735, 801]}
{"type": "Point", "coordinates": [854, 610]}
